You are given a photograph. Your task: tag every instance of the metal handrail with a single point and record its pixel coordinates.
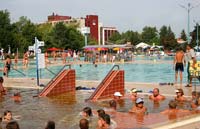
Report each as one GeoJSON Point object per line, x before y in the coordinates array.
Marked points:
{"type": "Point", "coordinates": [103, 80]}
{"type": "Point", "coordinates": [50, 71]}
{"type": "Point", "coordinates": [55, 75]}
{"type": "Point", "coordinates": [19, 71]}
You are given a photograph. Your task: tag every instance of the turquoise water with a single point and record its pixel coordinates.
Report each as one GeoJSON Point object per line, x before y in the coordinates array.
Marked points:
{"type": "Point", "coordinates": [134, 72]}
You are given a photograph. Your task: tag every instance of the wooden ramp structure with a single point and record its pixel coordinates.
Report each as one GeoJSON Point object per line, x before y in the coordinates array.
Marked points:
{"type": "Point", "coordinates": [113, 82]}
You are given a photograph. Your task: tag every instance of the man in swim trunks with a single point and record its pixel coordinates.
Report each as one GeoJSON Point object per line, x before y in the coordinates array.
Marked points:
{"type": "Point", "coordinates": [179, 63]}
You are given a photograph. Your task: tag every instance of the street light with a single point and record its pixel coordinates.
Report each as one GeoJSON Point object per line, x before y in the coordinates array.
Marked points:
{"type": "Point", "coordinates": [9, 51]}
{"type": "Point", "coordinates": [188, 8]}
{"type": "Point", "coordinates": [197, 36]}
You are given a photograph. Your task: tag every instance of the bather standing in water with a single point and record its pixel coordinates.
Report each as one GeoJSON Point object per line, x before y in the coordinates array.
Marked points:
{"type": "Point", "coordinates": [133, 94]}
{"type": "Point", "coordinates": [118, 98]}
{"type": "Point", "coordinates": [139, 108]}
{"type": "Point", "coordinates": [179, 95]}
{"type": "Point", "coordinates": [7, 66]}
{"type": "Point", "coordinates": [173, 112]}
{"type": "Point", "coordinates": [156, 95]}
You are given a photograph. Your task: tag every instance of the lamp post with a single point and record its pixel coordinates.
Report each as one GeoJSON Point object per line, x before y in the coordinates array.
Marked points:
{"type": "Point", "coordinates": [197, 41]}
{"type": "Point", "coordinates": [188, 8]}
{"type": "Point", "coordinates": [9, 51]}
{"type": "Point", "coordinates": [85, 31]}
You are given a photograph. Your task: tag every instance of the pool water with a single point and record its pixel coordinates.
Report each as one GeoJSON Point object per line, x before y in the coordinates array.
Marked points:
{"type": "Point", "coordinates": [134, 72]}
{"type": "Point", "coordinates": [33, 112]}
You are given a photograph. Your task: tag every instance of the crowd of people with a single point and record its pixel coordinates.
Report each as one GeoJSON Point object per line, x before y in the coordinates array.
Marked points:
{"type": "Point", "coordinates": [104, 118]}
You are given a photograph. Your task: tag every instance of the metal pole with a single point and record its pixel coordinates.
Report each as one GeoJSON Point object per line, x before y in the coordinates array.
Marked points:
{"type": "Point", "coordinates": [188, 37]}
{"type": "Point", "coordinates": [36, 52]}
{"type": "Point", "coordinates": [85, 40]}
{"type": "Point", "coordinates": [197, 37]}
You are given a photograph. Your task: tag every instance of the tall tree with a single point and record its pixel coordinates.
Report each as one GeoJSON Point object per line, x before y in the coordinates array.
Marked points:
{"type": "Point", "coordinates": [115, 37]}
{"type": "Point", "coordinates": [66, 37]}
{"type": "Point", "coordinates": [167, 38]}
{"type": "Point", "coordinates": [5, 30]}
{"type": "Point", "coordinates": [148, 34]}
{"type": "Point", "coordinates": [131, 36]}
{"type": "Point", "coordinates": [183, 35]}
{"type": "Point", "coordinates": [194, 36]}
{"type": "Point", "coordinates": [44, 31]}
{"type": "Point", "coordinates": [24, 33]}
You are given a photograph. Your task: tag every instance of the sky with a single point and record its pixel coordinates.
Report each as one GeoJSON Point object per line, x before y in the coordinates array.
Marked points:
{"type": "Point", "coordinates": [122, 14]}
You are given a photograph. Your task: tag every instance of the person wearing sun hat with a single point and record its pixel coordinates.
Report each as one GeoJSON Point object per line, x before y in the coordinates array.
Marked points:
{"type": "Point", "coordinates": [118, 98]}
{"type": "Point", "coordinates": [133, 94]}
{"type": "Point", "coordinates": [139, 107]}
{"type": "Point", "coordinates": [117, 95]}
{"type": "Point", "coordinates": [179, 95]}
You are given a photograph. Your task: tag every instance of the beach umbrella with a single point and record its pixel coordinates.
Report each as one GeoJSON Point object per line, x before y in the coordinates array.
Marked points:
{"type": "Point", "coordinates": [53, 49]}
{"type": "Point", "coordinates": [116, 49]}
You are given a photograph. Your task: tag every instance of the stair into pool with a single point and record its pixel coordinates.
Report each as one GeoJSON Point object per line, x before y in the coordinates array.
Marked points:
{"type": "Point", "coordinates": [63, 82]}
{"type": "Point", "coordinates": [113, 82]}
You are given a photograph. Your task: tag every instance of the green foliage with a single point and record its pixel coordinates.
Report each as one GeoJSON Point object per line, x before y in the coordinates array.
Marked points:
{"type": "Point", "coordinates": [149, 34]}
{"type": "Point", "coordinates": [131, 36]}
{"type": "Point", "coordinates": [91, 41]}
{"type": "Point", "coordinates": [24, 33]}
{"type": "Point", "coordinates": [21, 35]}
{"type": "Point", "coordinates": [167, 38]}
{"type": "Point", "coordinates": [66, 37]}
{"type": "Point", "coordinates": [194, 36]}
{"type": "Point", "coordinates": [115, 37]}
{"type": "Point", "coordinates": [5, 30]}
{"type": "Point", "coordinates": [183, 35]}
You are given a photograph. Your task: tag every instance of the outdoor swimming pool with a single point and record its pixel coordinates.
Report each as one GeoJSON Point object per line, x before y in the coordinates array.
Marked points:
{"type": "Point", "coordinates": [150, 72]}
{"type": "Point", "coordinates": [33, 112]}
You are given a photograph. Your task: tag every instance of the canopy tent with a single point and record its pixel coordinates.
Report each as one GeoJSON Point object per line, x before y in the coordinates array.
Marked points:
{"type": "Point", "coordinates": [156, 47]}
{"type": "Point", "coordinates": [53, 49]}
{"type": "Point", "coordinates": [142, 45]}
{"type": "Point", "coordinates": [107, 47]}
{"type": "Point", "coordinates": [181, 41]}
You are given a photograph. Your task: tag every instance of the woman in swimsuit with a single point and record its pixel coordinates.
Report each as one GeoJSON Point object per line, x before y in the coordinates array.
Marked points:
{"type": "Point", "coordinates": [7, 65]}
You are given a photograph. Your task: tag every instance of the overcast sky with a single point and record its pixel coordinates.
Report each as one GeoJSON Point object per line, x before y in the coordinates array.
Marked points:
{"type": "Point", "coordinates": [123, 14]}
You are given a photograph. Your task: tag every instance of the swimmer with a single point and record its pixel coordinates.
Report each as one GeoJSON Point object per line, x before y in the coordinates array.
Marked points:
{"type": "Point", "coordinates": [118, 98]}
{"type": "Point", "coordinates": [100, 111]}
{"type": "Point", "coordinates": [104, 122]}
{"type": "Point", "coordinates": [179, 95]}
{"type": "Point", "coordinates": [139, 108]}
{"type": "Point", "coordinates": [133, 94]}
{"type": "Point", "coordinates": [117, 95]}
{"type": "Point", "coordinates": [194, 100]}
{"type": "Point", "coordinates": [7, 65]}
{"type": "Point", "coordinates": [172, 111]}
{"type": "Point", "coordinates": [156, 95]}
{"type": "Point", "coordinates": [50, 125]}
{"type": "Point", "coordinates": [16, 97]}
{"type": "Point", "coordinates": [7, 117]}
{"type": "Point", "coordinates": [2, 89]}
{"type": "Point", "coordinates": [84, 124]}
{"type": "Point", "coordinates": [12, 125]}
{"type": "Point", "coordinates": [87, 113]}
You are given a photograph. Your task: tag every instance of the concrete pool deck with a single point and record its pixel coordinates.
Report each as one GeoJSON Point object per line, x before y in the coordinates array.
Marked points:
{"type": "Point", "coordinates": [166, 90]}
